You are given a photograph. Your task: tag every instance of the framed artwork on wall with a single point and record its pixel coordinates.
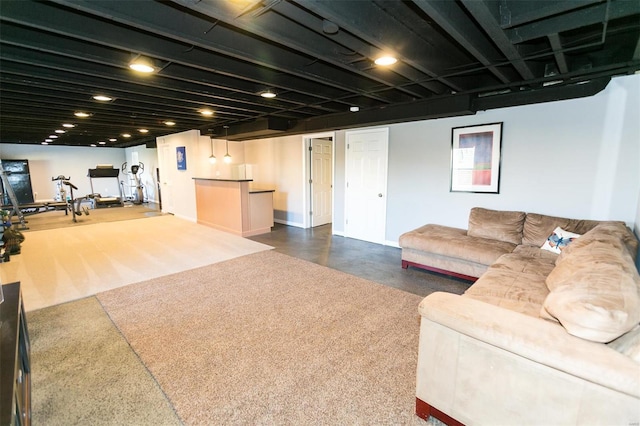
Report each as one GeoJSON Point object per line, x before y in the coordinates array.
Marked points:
{"type": "Point", "coordinates": [181, 157]}
{"type": "Point", "coordinates": [475, 158]}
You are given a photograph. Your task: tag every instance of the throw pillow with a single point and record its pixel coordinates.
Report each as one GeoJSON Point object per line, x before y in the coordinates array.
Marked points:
{"type": "Point", "coordinates": [558, 240]}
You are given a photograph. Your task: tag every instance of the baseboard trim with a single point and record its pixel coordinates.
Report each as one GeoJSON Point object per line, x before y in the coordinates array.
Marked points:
{"type": "Point", "coordinates": [288, 223]}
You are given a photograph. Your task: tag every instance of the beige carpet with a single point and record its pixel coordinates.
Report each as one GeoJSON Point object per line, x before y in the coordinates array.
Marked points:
{"type": "Point", "coordinates": [64, 264]}
{"type": "Point", "coordinates": [83, 371]}
{"type": "Point", "coordinates": [271, 339]}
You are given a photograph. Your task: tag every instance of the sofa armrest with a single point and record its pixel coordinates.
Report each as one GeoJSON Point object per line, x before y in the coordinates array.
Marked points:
{"type": "Point", "coordinates": [535, 339]}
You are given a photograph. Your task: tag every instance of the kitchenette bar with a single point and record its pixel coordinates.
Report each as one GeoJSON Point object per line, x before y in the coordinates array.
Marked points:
{"type": "Point", "coordinates": [234, 206]}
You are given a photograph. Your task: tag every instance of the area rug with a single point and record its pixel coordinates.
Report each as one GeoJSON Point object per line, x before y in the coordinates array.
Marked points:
{"type": "Point", "coordinates": [83, 371]}
{"type": "Point", "coordinates": [270, 339]}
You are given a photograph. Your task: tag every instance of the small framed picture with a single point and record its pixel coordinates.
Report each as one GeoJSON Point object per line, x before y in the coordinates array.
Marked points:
{"type": "Point", "coordinates": [181, 157]}
{"type": "Point", "coordinates": [475, 158]}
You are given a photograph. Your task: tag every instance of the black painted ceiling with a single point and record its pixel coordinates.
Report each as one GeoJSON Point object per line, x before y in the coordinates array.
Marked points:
{"type": "Point", "coordinates": [454, 58]}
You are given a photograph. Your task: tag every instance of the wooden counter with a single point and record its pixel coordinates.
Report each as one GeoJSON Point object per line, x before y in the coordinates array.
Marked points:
{"type": "Point", "coordinates": [232, 206]}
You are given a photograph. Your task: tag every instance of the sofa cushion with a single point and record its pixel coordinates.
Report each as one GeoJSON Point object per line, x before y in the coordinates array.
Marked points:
{"type": "Point", "coordinates": [559, 240]}
{"type": "Point", "coordinates": [531, 252]}
{"type": "Point", "coordinates": [516, 281]}
{"type": "Point", "coordinates": [595, 291]}
{"type": "Point", "coordinates": [455, 243]}
{"type": "Point", "coordinates": [518, 291]}
{"type": "Point", "coordinates": [525, 262]}
{"type": "Point", "coordinates": [496, 225]}
{"type": "Point", "coordinates": [537, 227]}
{"type": "Point", "coordinates": [614, 233]}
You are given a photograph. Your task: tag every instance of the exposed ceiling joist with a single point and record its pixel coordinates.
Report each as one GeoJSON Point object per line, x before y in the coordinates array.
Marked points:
{"type": "Point", "coordinates": [315, 56]}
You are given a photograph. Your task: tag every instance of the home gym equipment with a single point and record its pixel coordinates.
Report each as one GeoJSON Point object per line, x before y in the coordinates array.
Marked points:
{"type": "Point", "coordinates": [8, 190]}
{"type": "Point", "coordinates": [59, 203]}
{"type": "Point", "coordinates": [22, 209]}
{"type": "Point", "coordinates": [73, 205]}
{"type": "Point", "coordinates": [61, 192]}
{"type": "Point", "coordinates": [105, 171]}
{"type": "Point", "coordinates": [134, 183]}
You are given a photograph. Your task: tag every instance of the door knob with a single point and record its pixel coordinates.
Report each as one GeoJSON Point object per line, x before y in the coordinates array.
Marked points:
{"type": "Point", "coordinates": [380, 195]}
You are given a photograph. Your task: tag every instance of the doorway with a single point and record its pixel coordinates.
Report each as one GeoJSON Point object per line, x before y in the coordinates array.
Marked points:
{"type": "Point", "coordinates": [319, 165]}
{"type": "Point", "coordinates": [166, 161]}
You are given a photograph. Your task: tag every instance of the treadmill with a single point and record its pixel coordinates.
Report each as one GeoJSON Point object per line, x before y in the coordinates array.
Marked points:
{"type": "Point", "coordinates": [105, 171]}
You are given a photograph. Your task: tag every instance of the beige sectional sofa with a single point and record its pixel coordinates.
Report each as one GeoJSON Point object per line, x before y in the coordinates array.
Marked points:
{"type": "Point", "coordinates": [540, 337]}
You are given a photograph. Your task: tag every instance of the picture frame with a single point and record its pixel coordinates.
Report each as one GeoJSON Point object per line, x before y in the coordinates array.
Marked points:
{"type": "Point", "coordinates": [181, 157]}
{"type": "Point", "coordinates": [475, 158]}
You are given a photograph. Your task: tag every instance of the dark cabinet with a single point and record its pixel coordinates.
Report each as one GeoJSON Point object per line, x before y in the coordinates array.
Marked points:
{"type": "Point", "coordinates": [15, 371]}
{"type": "Point", "coordinates": [19, 178]}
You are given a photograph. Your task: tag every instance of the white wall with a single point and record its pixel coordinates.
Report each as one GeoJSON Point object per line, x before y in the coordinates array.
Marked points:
{"type": "Point", "coordinates": [177, 186]}
{"type": "Point", "coordinates": [277, 163]}
{"type": "Point", "coordinates": [47, 161]}
{"type": "Point", "coordinates": [220, 169]}
{"type": "Point", "coordinates": [576, 158]}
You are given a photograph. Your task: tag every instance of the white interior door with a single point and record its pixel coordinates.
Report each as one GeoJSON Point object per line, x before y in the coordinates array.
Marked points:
{"type": "Point", "coordinates": [167, 161]}
{"type": "Point", "coordinates": [366, 184]}
{"type": "Point", "coordinates": [321, 181]}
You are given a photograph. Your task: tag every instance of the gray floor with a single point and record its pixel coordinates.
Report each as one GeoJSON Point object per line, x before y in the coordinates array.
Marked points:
{"type": "Point", "coordinates": [371, 261]}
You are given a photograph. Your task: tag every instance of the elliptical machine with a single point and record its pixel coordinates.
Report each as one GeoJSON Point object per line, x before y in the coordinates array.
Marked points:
{"type": "Point", "coordinates": [135, 171]}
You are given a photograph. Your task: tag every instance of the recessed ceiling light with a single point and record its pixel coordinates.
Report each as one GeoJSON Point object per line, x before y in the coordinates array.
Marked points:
{"type": "Point", "coordinates": [102, 98]}
{"type": "Point", "coordinates": [81, 114]}
{"type": "Point", "coordinates": [268, 94]}
{"type": "Point", "coordinates": [142, 64]}
{"type": "Point", "coordinates": [354, 109]}
{"type": "Point", "coordinates": [206, 112]}
{"type": "Point", "coordinates": [143, 130]}
{"type": "Point", "coordinates": [44, 143]}
{"type": "Point", "coordinates": [93, 144]}
{"type": "Point", "coordinates": [386, 60]}
{"type": "Point", "coordinates": [170, 123]}
{"type": "Point", "coordinates": [48, 140]}
{"type": "Point", "coordinates": [60, 131]}
{"type": "Point", "coordinates": [68, 125]}
{"type": "Point", "coordinates": [126, 135]}
{"type": "Point", "coordinates": [102, 143]}
{"type": "Point", "coordinates": [53, 136]}
{"type": "Point", "coordinates": [113, 140]}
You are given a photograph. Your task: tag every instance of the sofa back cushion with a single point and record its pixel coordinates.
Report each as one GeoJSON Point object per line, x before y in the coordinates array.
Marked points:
{"type": "Point", "coordinates": [538, 227]}
{"type": "Point", "coordinates": [594, 288]}
{"type": "Point", "coordinates": [496, 225]}
{"type": "Point", "coordinates": [615, 233]}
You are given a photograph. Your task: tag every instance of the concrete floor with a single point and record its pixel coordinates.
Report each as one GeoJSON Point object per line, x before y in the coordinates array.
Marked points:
{"type": "Point", "coordinates": [367, 260]}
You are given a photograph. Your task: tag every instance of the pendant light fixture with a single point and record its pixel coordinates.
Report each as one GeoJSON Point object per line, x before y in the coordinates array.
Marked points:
{"type": "Point", "coordinates": [227, 157]}
{"type": "Point", "coordinates": [212, 158]}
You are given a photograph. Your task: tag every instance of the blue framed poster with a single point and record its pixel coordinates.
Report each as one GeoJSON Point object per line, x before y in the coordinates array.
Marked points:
{"type": "Point", "coordinates": [181, 157]}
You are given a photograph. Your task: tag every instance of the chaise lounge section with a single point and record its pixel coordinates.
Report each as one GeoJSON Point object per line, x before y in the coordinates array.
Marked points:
{"type": "Point", "coordinates": [544, 335]}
